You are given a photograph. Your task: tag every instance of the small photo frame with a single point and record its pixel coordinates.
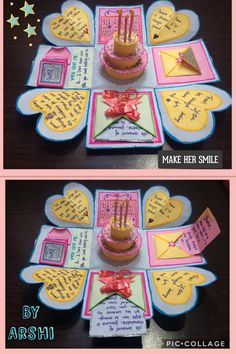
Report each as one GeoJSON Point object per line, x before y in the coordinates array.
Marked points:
{"type": "Point", "coordinates": [52, 73]}
{"type": "Point", "coordinates": [53, 252]}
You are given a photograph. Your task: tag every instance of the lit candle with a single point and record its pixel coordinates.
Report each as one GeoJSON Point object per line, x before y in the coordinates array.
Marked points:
{"type": "Point", "coordinates": [119, 21]}
{"type": "Point", "coordinates": [131, 23]}
{"type": "Point", "coordinates": [126, 211]}
{"type": "Point", "coordinates": [115, 214]}
{"type": "Point", "coordinates": [126, 27]}
{"type": "Point", "coordinates": [121, 209]}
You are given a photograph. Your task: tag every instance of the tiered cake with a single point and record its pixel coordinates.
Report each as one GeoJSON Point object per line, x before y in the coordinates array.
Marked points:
{"type": "Point", "coordinates": [119, 241]}
{"type": "Point", "coordinates": [123, 56]}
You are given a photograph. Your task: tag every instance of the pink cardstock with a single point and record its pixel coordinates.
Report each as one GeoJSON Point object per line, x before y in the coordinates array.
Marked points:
{"type": "Point", "coordinates": [106, 206]}
{"type": "Point", "coordinates": [51, 259]}
{"type": "Point", "coordinates": [202, 58]}
{"type": "Point", "coordinates": [89, 291]}
{"type": "Point", "coordinates": [154, 261]}
{"type": "Point", "coordinates": [93, 140]}
{"type": "Point", "coordinates": [108, 22]}
{"type": "Point", "coordinates": [202, 232]}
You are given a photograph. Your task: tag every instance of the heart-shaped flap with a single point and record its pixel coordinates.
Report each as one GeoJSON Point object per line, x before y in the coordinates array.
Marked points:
{"type": "Point", "coordinates": [174, 291]}
{"type": "Point", "coordinates": [63, 112]}
{"type": "Point", "coordinates": [73, 209]}
{"type": "Point", "coordinates": [164, 24]}
{"type": "Point", "coordinates": [73, 26]}
{"type": "Point", "coordinates": [163, 210]}
{"type": "Point", "coordinates": [62, 287]}
{"type": "Point", "coordinates": [187, 112]}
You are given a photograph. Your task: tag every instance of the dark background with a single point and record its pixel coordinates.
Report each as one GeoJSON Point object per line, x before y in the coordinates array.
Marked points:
{"type": "Point", "coordinates": [25, 149]}
{"type": "Point", "coordinates": [24, 209]}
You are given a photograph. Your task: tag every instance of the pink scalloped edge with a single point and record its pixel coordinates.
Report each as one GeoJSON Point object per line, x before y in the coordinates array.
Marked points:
{"type": "Point", "coordinates": [109, 51]}
{"type": "Point", "coordinates": [138, 68]}
{"type": "Point", "coordinates": [107, 236]}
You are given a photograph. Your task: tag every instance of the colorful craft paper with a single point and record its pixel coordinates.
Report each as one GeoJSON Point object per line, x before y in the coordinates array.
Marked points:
{"type": "Point", "coordinates": [161, 210]}
{"type": "Point", "coordinates": [164, 24]}
{"type": "Point", "coordinates": [73, 26]}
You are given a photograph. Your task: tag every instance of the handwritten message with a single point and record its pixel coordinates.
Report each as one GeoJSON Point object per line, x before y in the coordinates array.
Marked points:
{"type": "Point", "coordinates": [175, 286]}
{"type": "Point", "coordinates": [80, 75]}
{"type": "Point", "coordinates": [61, 284]}
{"type": "Point", "coordinates": [160, 209]}
{"type": "Point", "coordinates": [122, 130]}
{"type": "Point", "coordinates": [188, 109]}
{"type": "Point", "coordinates": [116, 316]}
{"type": "Point", "coordinates": [74, 207]}
{"type": "Point", "coordinates": [72, 26]}
{"type": "Point", "coordinates": [202, 232]}
{"type": "Point", "coordinates": [108, 23]}
{"type": "Point", "coordinates": [63, 109]}
{"type": "Point", "coordinates": [165, 24]}
{"type": "Point", "coordinates": [79, 251]}
{"type": "Point", "coordinates": [106, 206]}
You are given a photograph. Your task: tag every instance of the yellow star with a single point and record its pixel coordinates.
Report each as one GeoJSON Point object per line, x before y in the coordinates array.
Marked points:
{"type": "Point", "coordinates": [27, 9]}
{"type": "Point", "coordinates": [31, 31]}
{"type": "Point", "coordinates": [13, 21]}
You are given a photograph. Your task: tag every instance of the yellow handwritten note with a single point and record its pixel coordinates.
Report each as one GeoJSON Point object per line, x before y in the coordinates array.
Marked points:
{"type": "Point", "coordinates": [161, 210]}
{"type": "Point", "coordinates": [74, 207]}
{"type": "Point", "coordinates": [74, 25]}
{"type": "Point", "coordinates": [188, 109]}
{"type": "Point", "coordinates": [175, 286]}
{"type": "Point", "coordinates": [62, 284]}
{"type": "Point", "coordinates": [165, 25]}
{"type": "Point", "coordinates": [63, 109]}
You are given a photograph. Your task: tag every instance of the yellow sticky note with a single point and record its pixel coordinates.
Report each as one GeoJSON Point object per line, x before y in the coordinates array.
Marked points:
{"type": "Point", "coordinates": [166, 247]}
{"type": "Point", "coordinates": [165, 25]}
{"type": "Point", "coordinates": [62, 284]}
{"type": "Point", "coordinates": [161, 210]}
{"type": "Point", "coordinates": [188, 109]}
{"type": "Point", "coordinates": [175, 286]}
{"type": "Point", "coordinates": [63, 109]}
{"type": "Point", "coordinates": [73, 207]}
{"type": "Point", "coordinates": [73, 25]}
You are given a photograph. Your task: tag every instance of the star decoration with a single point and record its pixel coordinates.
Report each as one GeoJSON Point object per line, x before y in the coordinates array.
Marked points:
{"type": "Point", "coordinates": [13, 21]}
{"type": "Point", "coordinates": [27, 9]}
{"type": "Point", "coordinates": [30, 31]}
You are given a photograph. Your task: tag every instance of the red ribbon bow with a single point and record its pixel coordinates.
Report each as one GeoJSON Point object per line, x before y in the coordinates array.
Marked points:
{"type": "Point", "coordinates": [122, 103]}
{"type": "Point", "coordinates": [116, 282]}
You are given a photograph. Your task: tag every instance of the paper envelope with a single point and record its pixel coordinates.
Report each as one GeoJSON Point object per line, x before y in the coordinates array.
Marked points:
{"type": "Point", "coordinates": [167, 246]}
{"type": "Point", "coordinates": [178, 62]}
{"type": "Point", "coordinates": [121, 128]}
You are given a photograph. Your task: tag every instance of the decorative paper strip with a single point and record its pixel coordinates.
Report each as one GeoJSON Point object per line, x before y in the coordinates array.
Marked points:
{"type": "Point", "coordinates": [62, 288]}
{"type": "Point", "coordinates": [73, 26]}
{"type": "Point", "coordinates": [117, 317]}
{"type": "Point", "coordinates": [73, 208]}
{"type": "Point", "coordinates": [140, 293]}
{"type": "Point", "coordinates": [161, 210]}
{"type": "Point", "coordinates": [107, 22]}
{"type": "Point", "coordinates": [164, 24]}
{"type": "Point", "coordinates": [171, 72]}
{"type": "Point", "coordinates": [187, 112]}
{"type": "Point", "coordinates": [63, 112]}
{"type": "Point", "coordinates": [174, 291]}
{"type": "Point", "coordinates": [79, 73]}
{"type": "Point", "coordinates": [79, 247]}
{"type": "Point", "coordinates": [121, 131]}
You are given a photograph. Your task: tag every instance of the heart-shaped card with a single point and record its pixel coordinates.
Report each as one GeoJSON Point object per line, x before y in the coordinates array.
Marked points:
{"type": "Point", "coordinates": [174, 291]}
{"type": "Point", "coordinates": [161, 210]}
{"type": "Point", "coordinates": [73, 26]}
{"type": "Point", "coordinates": [75, 208]}
{"type": "Point", "coordinates": [62, 288]}
{"type": "Point", "coordinates": [187, 112]}
{"type": "Point", "coordinates": [165, 25]}
{"type": "Point", "coordinates": [63, 112]}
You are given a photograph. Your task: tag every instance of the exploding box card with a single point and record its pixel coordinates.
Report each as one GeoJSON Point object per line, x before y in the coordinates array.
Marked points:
{"type": "Point", "coordinates": [130, 57]}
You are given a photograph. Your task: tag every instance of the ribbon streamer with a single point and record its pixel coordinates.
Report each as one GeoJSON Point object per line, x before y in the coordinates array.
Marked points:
{"type": "Point", "coordinates": [116, 282]}
{"type": "Point", "coordinates": [122, 103]}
